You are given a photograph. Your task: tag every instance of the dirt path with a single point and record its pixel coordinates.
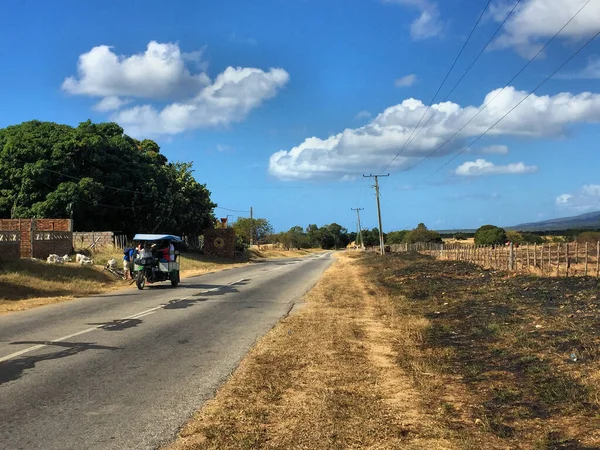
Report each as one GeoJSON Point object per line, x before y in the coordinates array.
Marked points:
{"type": "Point", "coordinates": [325, 377]}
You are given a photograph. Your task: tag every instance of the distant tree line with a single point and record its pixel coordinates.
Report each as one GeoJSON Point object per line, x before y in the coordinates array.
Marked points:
{"type": "Point", "coordinates": [101, 178]}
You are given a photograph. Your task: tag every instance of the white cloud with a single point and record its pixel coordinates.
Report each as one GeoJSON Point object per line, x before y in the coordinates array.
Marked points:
{"type": "Point", "coordinates": [363, 115]}
{"type": "Point", "coordinates": [563, 199]}
{"type": "Point", "coordinates": [590, 72]}
{"type": "Point", "coordinates": [429, 24]}
{"type": "Point", "coordinates": [489, 150]}
{"type": "Point", "coordinates": [587, 199]}
{"type": "Point", "coordinates": [483, 167]}
{"type": "Point", "coordinates": [161, 73]}
{"type": "Point", "coordinates": [110, 103]}
{"type": "Point", "coordinates": [534, 21]}
{"type": "Point", "coordinates": [373, 145]}
{"type": "Point", "coordinates": [232, 95]}
{"type": "Point", "coordinates": [405, 81]}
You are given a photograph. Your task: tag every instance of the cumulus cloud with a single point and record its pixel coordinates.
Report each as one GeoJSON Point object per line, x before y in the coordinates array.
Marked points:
{"type": "Point", "coordinates": [482, 167]}
{"type": "Point", "coordinates": [373, 145]}
{"type": "Point", "coordinates": [110, 103]}
{"type": "Point", "coordinates": [587, 199]}
{"type": "Point", "coordinates": [160, 73]}
{"type": "Point", "coordinates": [232, 95]}
{"type": "Point", "coordinates": [535, 21]}
{"type": "Point", "coordinates": [429, 23]}
{"type": "Point", "coordinates": [405, 81]}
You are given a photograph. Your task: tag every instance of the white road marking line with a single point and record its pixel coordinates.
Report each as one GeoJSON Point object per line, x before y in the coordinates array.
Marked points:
{"type": "Point", "coordinates": [134, 316]}
{"type": "Point", "coordinates": [37, 347]}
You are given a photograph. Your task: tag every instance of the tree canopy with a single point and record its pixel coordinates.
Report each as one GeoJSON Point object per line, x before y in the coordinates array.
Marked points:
{"type": "Point", "coordinates": [99, 177]}
{"type": "Point", "coordinates": [490, 235]}
{"type": "Point", "coordinates": [260, 228]}
{"type": "Point", "coordinates": [422, 234]}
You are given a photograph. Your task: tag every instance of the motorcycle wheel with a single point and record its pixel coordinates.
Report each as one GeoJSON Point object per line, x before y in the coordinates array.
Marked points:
{"type": "Point", "coordinates": [140, 280]}
{"type": "Point", "coordinates": [175, 280]}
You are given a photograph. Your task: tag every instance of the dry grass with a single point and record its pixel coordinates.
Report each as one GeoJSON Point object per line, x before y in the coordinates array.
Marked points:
{"type": "Point", "coordinates": [26, 284]}
{"type": "Point", "coordinates": [325, 377]}
{"type": "Point", "coordinates": [494, 350]}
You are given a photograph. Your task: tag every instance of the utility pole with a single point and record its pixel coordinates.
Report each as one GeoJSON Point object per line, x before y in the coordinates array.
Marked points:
{"type": "Point", "coordinates": [358, 210]}
{"type": "Point", "coordinates": [381, 243]}
{"type": "Point", "coordinates": [251, 228]}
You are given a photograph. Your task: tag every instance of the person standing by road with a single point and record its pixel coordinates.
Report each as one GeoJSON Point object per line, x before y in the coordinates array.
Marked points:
{"type": "Point", "coordinates": [128, 258]}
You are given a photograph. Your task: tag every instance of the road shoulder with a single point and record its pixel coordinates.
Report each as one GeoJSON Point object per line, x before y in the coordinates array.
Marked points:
{"type": "Point", "coordinates": [325, 376]}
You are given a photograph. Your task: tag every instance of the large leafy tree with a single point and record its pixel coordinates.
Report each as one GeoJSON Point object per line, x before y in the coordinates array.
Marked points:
{"type": "Point", "coordinates": [490, 235]}
{"type": "Point", "coordinates": [260, 228]}
{"type": "Point", "coordinates": [422, 234]}
{"type": "Point", "coordinates": [99, 177]}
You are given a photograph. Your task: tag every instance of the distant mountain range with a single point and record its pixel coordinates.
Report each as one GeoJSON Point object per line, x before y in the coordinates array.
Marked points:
{"type": "Point", "coordinates": [589, 220]}
{"type": "Point", "coordinates": [583, 221]}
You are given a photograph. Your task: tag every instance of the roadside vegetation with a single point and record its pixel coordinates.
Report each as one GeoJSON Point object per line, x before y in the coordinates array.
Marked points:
{"type": "Point", "coordinates": [517, 356]}
{"type": "Point", "coordinates": [324, 377]}
{"type": "Point", "coordinates": [408, 352]}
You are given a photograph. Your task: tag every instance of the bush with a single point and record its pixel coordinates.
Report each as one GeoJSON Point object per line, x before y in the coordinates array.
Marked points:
{"type": "Point", "coordinates": [422, 234]}
{"type": "Point", "coordinates": [530, 238]}
{"type": "Point", "coordinates": [460, 236]}
{"type": "Point", "coordinates": [591, 237]}
{"type": "Point", "coordinates": [490, 235]}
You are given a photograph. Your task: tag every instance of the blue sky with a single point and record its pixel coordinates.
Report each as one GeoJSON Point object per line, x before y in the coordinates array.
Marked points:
{"type": "Point", "coordinates": [283, 104]}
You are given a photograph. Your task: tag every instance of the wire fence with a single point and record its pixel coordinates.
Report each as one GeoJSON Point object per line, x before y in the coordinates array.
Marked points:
{"type": "Point", "coordinates": [550, 259]}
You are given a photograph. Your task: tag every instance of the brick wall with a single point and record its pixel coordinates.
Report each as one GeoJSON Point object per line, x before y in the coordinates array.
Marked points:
{"type": "Point", "coordinates": [26, 228]}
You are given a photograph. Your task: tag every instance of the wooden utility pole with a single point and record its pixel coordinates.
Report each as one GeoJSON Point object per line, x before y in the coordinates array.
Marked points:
{"type": "Point", "coordinates": [251, 228]}
{"type": "Point", "coordinates": [358, 210]}
{"type": "Point", "coordinates": [381, 243]}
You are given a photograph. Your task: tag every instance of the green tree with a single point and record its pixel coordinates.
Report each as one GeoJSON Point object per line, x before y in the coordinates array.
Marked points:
{"type": "Point", "coordinates": [515, 237]}
{"type": "Point", "coordinates": [395, 237]}
{"type": "Point", "coordinates": [460, 236]}
{"type": "Point", "coordinates": [99, 177]}
{"type": "Point", "coordinates": [490, 235]}
{"type": "Point", "coordinates": [530, 238]}
{"type": "Point", "coordinates": [261, 229]}
{"type": "Point", "coordinates": [422, 234]}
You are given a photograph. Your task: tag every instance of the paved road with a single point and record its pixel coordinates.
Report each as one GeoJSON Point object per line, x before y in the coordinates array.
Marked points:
{"type": "Point", "coordinates": [125, 370]}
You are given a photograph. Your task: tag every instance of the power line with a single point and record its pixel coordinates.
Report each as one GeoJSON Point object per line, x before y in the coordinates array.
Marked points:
{"type": "Point", "coordinates": [468, 69]}
{"type": "Point", "coordinates": [515, 107]}
{"type": "Point", "coordinates": [501, 90]}
{"type": "Point", "coordinates": [232, 210]}
{"type": "Point", "coordinates": [442, 84]}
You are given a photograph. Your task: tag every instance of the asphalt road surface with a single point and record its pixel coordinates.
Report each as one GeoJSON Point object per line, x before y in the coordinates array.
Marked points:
{"type": "Point", "coordinates": [126, 369]}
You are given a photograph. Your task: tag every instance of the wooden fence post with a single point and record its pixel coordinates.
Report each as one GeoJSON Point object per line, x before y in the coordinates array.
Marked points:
{"type": "Point", "coordinates": [558, 261]}
{"type": "Point", "coordinates": [542, 259]}
{"type": "Point", "coordinates": [598, 259]}
{"type": "Point", "coordinates": [511, 257]}
{"type": "Point", "coordinates": [586, 260]}
{"type": "Point", "coordinates": [535, 256]}
{"type": "Point", "coordinates": [527, 250]}
{"type": "Point", "coordinates": [576, 252]}
{"type": "Point", "coordinates": [568, 260]}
